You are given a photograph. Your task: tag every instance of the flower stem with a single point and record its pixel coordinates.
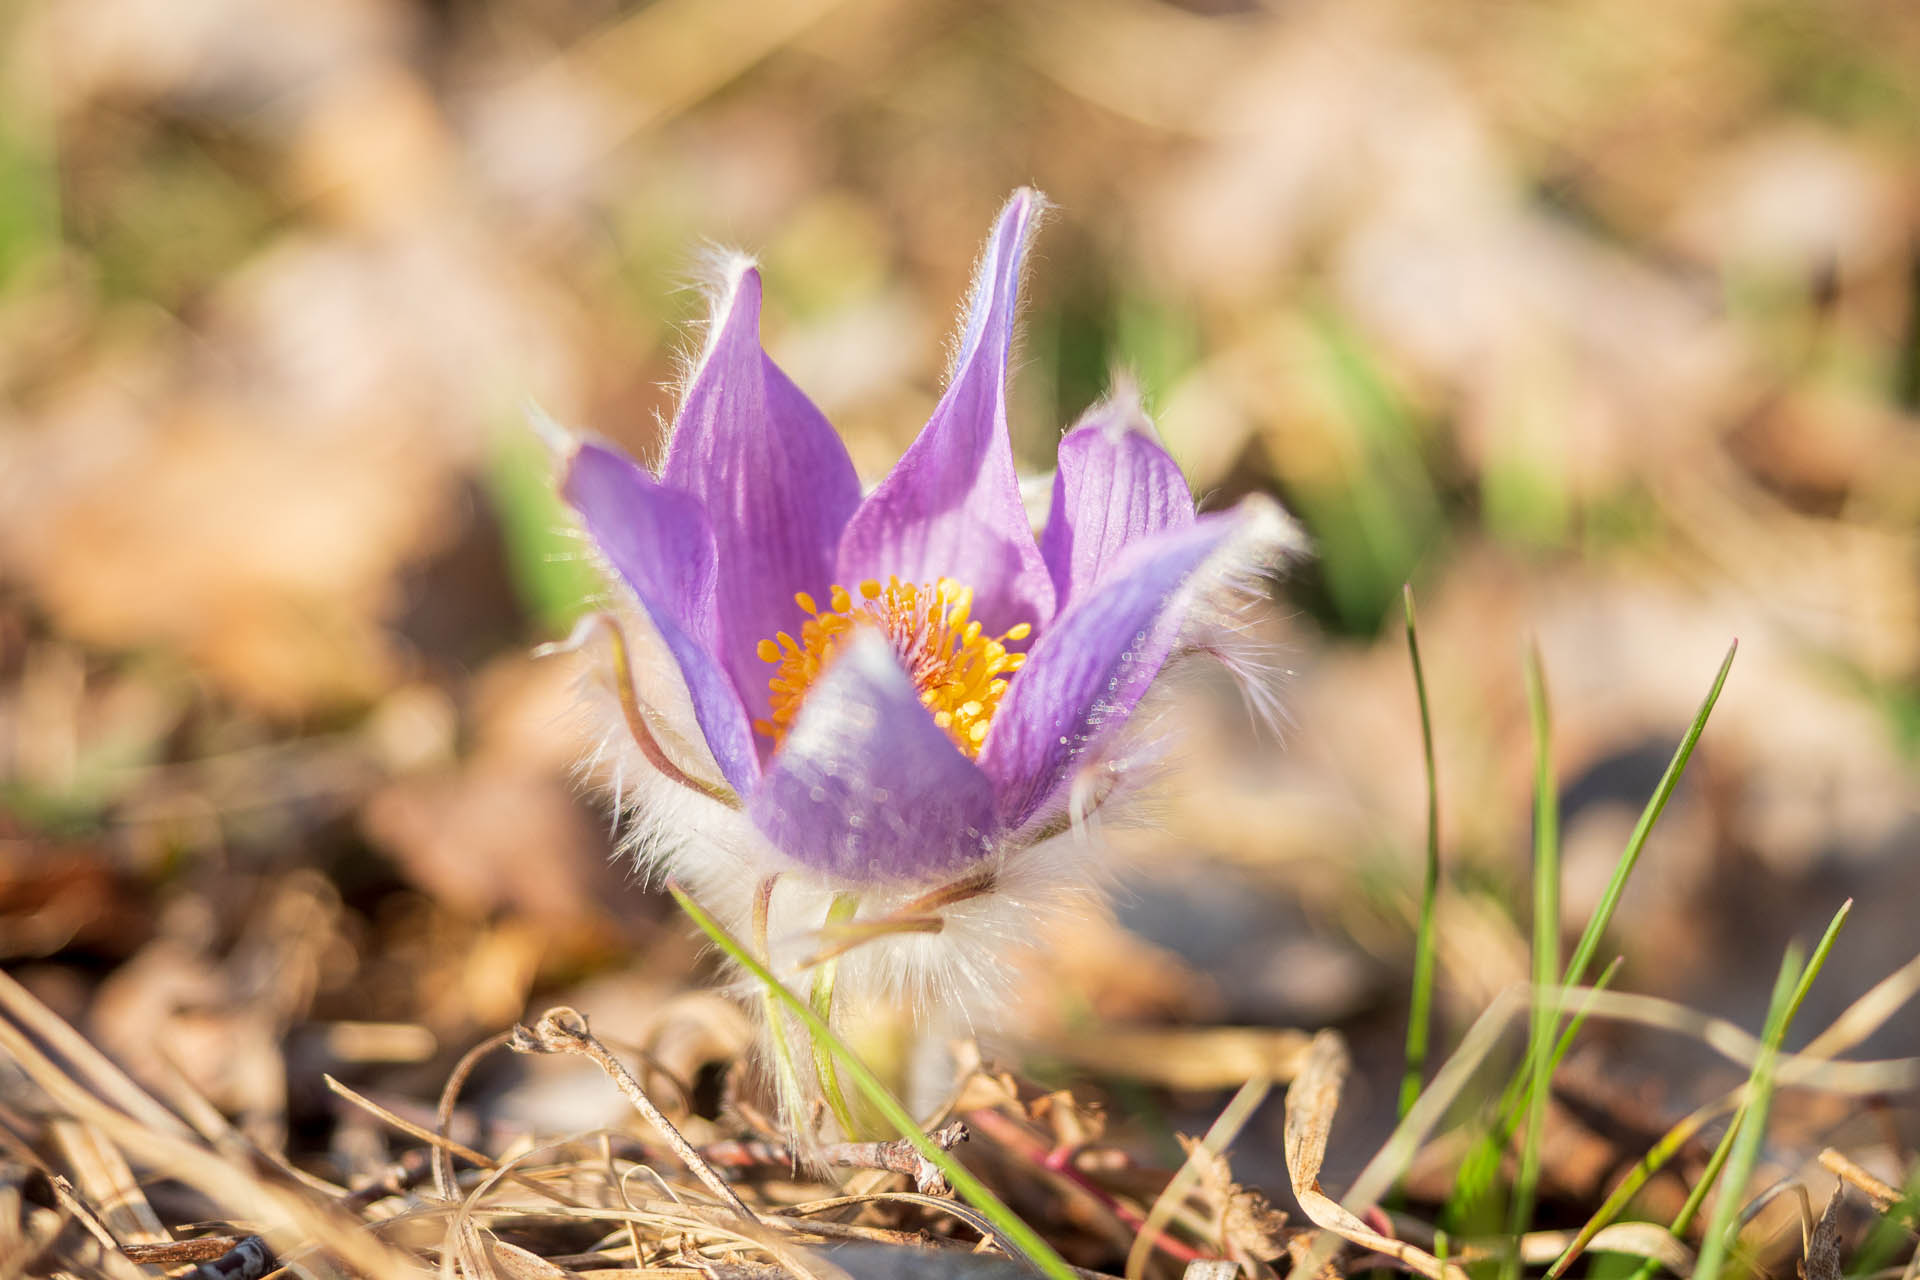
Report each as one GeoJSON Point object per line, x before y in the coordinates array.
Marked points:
{"type": "Point", "coordinates": [841, 910]}
{"type": "Point", "coordinates": [1013, 1231]}
{"type": "Point", "coordinates": [787, 1077]}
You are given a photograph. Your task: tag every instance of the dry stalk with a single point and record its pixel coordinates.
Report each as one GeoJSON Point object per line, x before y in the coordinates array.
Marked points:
{"type": "Point", "coordinates": [176, 1253]}
{"type": "Point", "coordinates": [564, 1030]}
{"type": "Point", "coordinates": [1883, 1194]}
{"type": "Point", "coordinates": [443, 1118]}
{"type": "Point", "coordinates": [897, 1156]}
{"type": "Point", "coordinates": [900, 1156]}
{"type": "Point", "coordinates": [110, 1261]}
{"type": "Point", "coordinates": [477, 1158]}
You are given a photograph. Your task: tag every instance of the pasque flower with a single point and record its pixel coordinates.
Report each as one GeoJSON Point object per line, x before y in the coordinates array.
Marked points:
{"type": "Point", "coordinates": [900, 699]}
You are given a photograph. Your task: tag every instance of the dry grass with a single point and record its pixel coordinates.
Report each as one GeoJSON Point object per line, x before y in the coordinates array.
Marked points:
{"type": "Point", "coordinates": [85, 1142]}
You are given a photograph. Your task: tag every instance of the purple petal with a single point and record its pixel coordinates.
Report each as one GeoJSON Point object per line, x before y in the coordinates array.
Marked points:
{"type": "Point", "coordinates": [658, 540]}
{"type": "Point", "coordinates": [1115, 486]}
{"type": "Point", "coordinates": [775, 481]}
{"type": "Point", "coordinates": [866, 787]}
{"type": "Point", "coordinates": [1086, 673]}
{"type": "Point", "coordinates": [951, 505]}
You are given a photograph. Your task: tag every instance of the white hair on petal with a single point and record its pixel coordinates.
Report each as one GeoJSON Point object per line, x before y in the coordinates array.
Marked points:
{"type": "Point", "coordinates": [715, 272]}
{"type": "Point", "coordinates": [979, 292]}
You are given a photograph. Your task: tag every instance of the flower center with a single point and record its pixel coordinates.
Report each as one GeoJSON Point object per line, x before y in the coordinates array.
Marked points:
{"type": "Point", "coordinates": [958, 669]}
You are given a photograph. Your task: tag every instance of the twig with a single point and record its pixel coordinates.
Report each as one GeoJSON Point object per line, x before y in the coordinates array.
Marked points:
{"type": "Point", "coordinates": [898, 1156]}
{"type": "Point", "coordinates": [175, 1253]}
{"type": "Point", "coordinates": [114, 1262]}
{"type": "Point", "coordinates": [443, 1116]}
{"type": "Point", "coordinates": [432, 1139]}
{"type": "Point", "coordinates": [250, 1259]}
{"type": "Point", "coordinates": [414, 1166]}
{"type": "Point", "coordinates": [1883, 1194]}
{"type": "Point", "coordinates": [564, 1030]}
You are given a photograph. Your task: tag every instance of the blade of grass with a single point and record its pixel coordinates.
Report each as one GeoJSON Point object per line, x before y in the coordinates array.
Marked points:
{"type": "Point", "coordinates": [1544, 1024]}
{"type": "Point", "coordinates": [1683, 1221]}
{"type": "Point", "coordinates": [1015, 1231]}
{"type": "Point", "coordinates": [1579, 1018]}
{"type": "Point", "coordinates": [1602, 916]}
{"type": "Point", "coordinates": [1420, 1002]}
{"type": "Point", "coordinates": [1740, 1100]}
{"type": "Point", "coordinates": [1716, 1244]}
{"type": "Point", "coordinates": [1480, 1166]}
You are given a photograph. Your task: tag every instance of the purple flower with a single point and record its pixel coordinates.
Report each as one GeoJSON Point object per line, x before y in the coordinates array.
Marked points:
{"type": "Point", "coordinates": [891, 692]}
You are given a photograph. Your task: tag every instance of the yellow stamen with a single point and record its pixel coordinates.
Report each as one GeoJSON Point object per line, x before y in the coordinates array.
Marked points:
{"type": "Point", "coordinates": [959, 671]}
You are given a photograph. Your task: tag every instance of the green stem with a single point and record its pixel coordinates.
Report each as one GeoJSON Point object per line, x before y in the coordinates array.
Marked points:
{"type": "Point", "coordinates": [842, 909]}
{"type": "Point", "coordinates": [1745, 1148]}
{"type": "Point", "coordinates": [786, 1075]}
{"type": "Point", "coordinates": [1480, 1166]}
{"type": "Point", "coordinates": [1723, 1151]}
{"type": "Point", "coordinates": [1420, 1003]}
{"type": "Point", "coordinates": [1015, 1231]}
{"type": "Point", "coordinates": [1544, 1029]}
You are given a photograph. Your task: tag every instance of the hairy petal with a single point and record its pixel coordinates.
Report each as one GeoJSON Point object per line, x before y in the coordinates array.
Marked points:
{"type": "Point", "coordinates": [775, 481]}
{"type": "Point", "coordinates": [1115, 485]}
{"type": "Point", "coordinates": [866, 787]}
{"type": "Point", "coordinates": [951, 505]}
{"type": "Point", "coordinates": [658, 540]}
{"type": "Point", "coordinates": [1085, 675]}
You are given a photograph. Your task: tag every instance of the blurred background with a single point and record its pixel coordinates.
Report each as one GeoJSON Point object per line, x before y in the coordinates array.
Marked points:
{"type": "Point", "coordinates": [1598, 323]}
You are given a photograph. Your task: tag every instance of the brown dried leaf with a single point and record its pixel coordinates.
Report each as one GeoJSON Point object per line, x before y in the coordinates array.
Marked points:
{"type": "Point", "coordinates": [1311, 1103]}
{"type": "Point", "coordinates": [1823, 1260]}
{"type": "Point", "coordinates": [1248, 1219]}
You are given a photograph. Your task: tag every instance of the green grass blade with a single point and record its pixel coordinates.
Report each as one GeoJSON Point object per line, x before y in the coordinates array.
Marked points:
{"type": "Point", "coordinates": [1715, 1245]}
{"type": "Point", "coordinates": [1545, 1021]}
{"type": "Point", "coordinates": [1743, 1098]}
{"type": "Point", "coordinates": [1579, 1019]}
{"type": "Point", "coordinates": [1817, 962]}
{"type": "Point", "coordinates": [1682, 1133]}
{"type": "Point", "coordinates": [1420, 1003]}
{"type": "Point", "coordinates": [1480, 1167]}
{"type": "Point", "coordinates": [1651, 1163]}
{"type": "Point", "coordinates": [1015, 1231]}
{"type": "Point", "coordinates": [1602, 916]}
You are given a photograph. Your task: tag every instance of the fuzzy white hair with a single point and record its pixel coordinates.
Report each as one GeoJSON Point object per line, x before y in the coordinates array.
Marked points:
{"type": "Point", "coordinates": [677, 820]}
{"type": "Point", "coordinates": [953, 959]}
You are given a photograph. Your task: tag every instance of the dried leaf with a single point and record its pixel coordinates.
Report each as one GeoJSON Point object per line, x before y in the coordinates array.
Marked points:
{"type": "Point", "coordinates": [1823, 1261]}
{"type": "Point", "coordinates": [1311, 1102]}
